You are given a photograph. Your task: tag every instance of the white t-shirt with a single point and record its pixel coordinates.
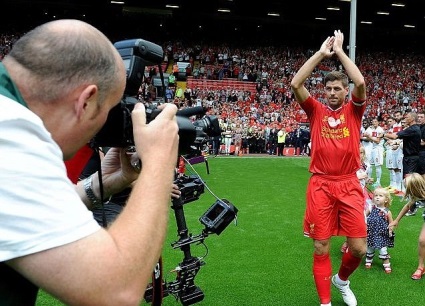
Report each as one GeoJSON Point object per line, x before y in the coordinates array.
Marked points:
{"type": "Point", "coordinates": [40, 208]}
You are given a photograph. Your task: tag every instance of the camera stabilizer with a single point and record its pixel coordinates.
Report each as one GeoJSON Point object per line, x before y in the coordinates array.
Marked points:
{"type": "Point", "coordinates": [215, 220]}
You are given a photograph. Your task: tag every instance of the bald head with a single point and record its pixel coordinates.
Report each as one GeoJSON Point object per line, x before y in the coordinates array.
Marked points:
{"type": "Point", "coordinates": [59, 56]}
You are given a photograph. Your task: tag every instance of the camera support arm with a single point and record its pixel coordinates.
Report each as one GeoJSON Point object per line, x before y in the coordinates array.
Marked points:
{"type": "Point", "coordinates": [184, 286]}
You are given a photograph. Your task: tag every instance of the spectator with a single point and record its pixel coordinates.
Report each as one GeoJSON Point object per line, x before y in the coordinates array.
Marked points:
{"type": "Point", "coordinates": [281, 135]}
{"type": "Point", "coordinates": [272, 145]}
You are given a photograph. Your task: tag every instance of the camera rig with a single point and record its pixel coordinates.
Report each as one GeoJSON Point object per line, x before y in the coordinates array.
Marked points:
{"type": "Point", "coordinates": [220, 214]}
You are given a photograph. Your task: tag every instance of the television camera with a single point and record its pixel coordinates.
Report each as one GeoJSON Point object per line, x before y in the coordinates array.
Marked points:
{"type": "Point", "coordinates": [118, 129]}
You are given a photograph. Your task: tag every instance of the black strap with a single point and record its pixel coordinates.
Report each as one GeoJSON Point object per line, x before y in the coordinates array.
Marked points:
{"type": "Point", "coordinates": [158, 289]}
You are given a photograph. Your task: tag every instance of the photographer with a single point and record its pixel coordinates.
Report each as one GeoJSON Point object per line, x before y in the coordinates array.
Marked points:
{"type": "Point", "coordinates": [57, 86]}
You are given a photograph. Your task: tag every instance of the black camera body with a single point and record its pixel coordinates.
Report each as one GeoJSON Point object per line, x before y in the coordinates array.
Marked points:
{"type": "Point", "coordinates": [118, 129]}
{"type": "Point", "coordinates": [191, 187]}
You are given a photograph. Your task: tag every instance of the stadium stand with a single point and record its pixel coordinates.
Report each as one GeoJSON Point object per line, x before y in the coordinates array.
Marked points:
{"type": "Point", "coordinates": [219, 84]}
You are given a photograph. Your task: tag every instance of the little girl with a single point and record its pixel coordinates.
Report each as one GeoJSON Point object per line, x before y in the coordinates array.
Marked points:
{"type": "Point", "coordinates": [379, 237]}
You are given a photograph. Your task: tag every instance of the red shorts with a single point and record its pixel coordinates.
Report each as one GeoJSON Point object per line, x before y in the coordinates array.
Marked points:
{"type": "Point", "coordinates": [335, 207]}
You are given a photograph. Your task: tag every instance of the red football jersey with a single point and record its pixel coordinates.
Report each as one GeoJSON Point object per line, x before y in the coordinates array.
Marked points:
{"type": "Point", "coordinates": [335, 137]}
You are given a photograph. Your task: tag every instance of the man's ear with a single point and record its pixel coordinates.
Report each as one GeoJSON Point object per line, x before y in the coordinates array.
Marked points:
{"type": "Point", "coordinates": [86, 102]}
{"type": "Point", "coordinates": [347, 91]}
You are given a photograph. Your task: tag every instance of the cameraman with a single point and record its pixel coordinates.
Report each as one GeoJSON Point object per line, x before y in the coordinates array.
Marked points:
{"type": "Point", "coordinates": [57, 86]}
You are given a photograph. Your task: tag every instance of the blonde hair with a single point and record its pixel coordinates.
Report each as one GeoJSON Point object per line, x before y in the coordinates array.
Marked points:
{"type": "Point", "coordinates": [386, 194]}
{"type": "Point", "coordinates": [415, 188]}
{"type": "Point", "coordinates": [362, 158]}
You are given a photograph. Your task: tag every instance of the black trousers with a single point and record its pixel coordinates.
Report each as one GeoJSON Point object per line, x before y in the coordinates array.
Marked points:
{"type": "Point", "coordinates": [410, 164]}
{"type": "Point", "coordinates": [421, 162]}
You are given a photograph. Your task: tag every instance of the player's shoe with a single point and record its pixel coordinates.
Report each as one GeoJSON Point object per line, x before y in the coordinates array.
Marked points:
{"type": "Point", "coordinates": [399, 193]}
{"type": "Point", "coordinates": [391, 189]}
{"type": "Point", "coordinates": [347, 295]}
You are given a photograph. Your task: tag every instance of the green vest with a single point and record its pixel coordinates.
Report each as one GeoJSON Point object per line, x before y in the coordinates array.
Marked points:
{"type": "Point", "coordinates": [281, 139]}
{"type": "Point", "coordinates": [179, 93]}
{"type": "Point", "coordinates": [171, 79]}
{"type": "Point", "coordinates": [8, 88]}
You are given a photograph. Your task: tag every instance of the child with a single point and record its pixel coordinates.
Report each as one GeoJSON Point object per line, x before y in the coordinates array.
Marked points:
{"type": "Point", "coordinates": [379, 237]}
{"type": "Point", "coordinates": [415, 190]}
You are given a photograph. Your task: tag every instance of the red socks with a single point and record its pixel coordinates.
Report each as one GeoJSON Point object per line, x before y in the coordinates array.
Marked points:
{"type": "Point", "coordinates": [322, 272]}
{"type": "Point", "coordinates": [348, 265]}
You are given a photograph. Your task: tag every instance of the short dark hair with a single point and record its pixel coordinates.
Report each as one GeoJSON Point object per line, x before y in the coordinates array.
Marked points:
{"type": "Point", "coordinates": [337, 76]}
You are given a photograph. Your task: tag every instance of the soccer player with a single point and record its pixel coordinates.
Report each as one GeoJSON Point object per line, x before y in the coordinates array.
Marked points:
{"type": "Point", "coordinates": [389, 145]}
{"type": "Point", "coordinates": [366, 143]}
{"type": "Point", "coordinates": [375, 134]}
{"type": "Point", "coordinates": [398, 154]}
{"type": "Point", "coordinates": [335, 201]}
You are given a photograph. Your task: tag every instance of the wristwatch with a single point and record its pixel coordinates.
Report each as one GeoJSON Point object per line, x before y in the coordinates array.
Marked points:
{"type": "Point", "coordinates": [89, 192]}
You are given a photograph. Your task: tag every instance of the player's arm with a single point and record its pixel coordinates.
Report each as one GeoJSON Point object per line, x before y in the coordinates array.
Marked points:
{"type": "Point", "coordinates": [353, 72]}
{"type": "Point", "coordinates": [378, 138]}
{"type": "Point", "coordinates": [297, 84]}
{"type": "Point", "coordinates": [391, 136]}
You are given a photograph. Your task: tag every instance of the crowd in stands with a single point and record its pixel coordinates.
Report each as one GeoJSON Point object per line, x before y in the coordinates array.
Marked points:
{"type": "Point", "coordinates": [6, 42]}
{"type": "Point", "coordinates": [395, 82]}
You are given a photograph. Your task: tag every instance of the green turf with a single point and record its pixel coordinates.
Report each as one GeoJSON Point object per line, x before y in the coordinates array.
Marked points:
{"type": "Point", "coordinates": [264, 259]}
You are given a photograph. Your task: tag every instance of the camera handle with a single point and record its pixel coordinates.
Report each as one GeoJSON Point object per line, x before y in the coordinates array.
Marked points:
{"type": "Point", "coordinates": [177, 206]}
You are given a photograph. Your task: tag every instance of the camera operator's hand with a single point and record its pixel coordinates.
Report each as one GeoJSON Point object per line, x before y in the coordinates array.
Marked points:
{"type": "Point", "coordinates": [175, 192]}
{"type": "Point", "coordinates": [117, 171]}
{"type": "Point", "coordinates": [156, 142]}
